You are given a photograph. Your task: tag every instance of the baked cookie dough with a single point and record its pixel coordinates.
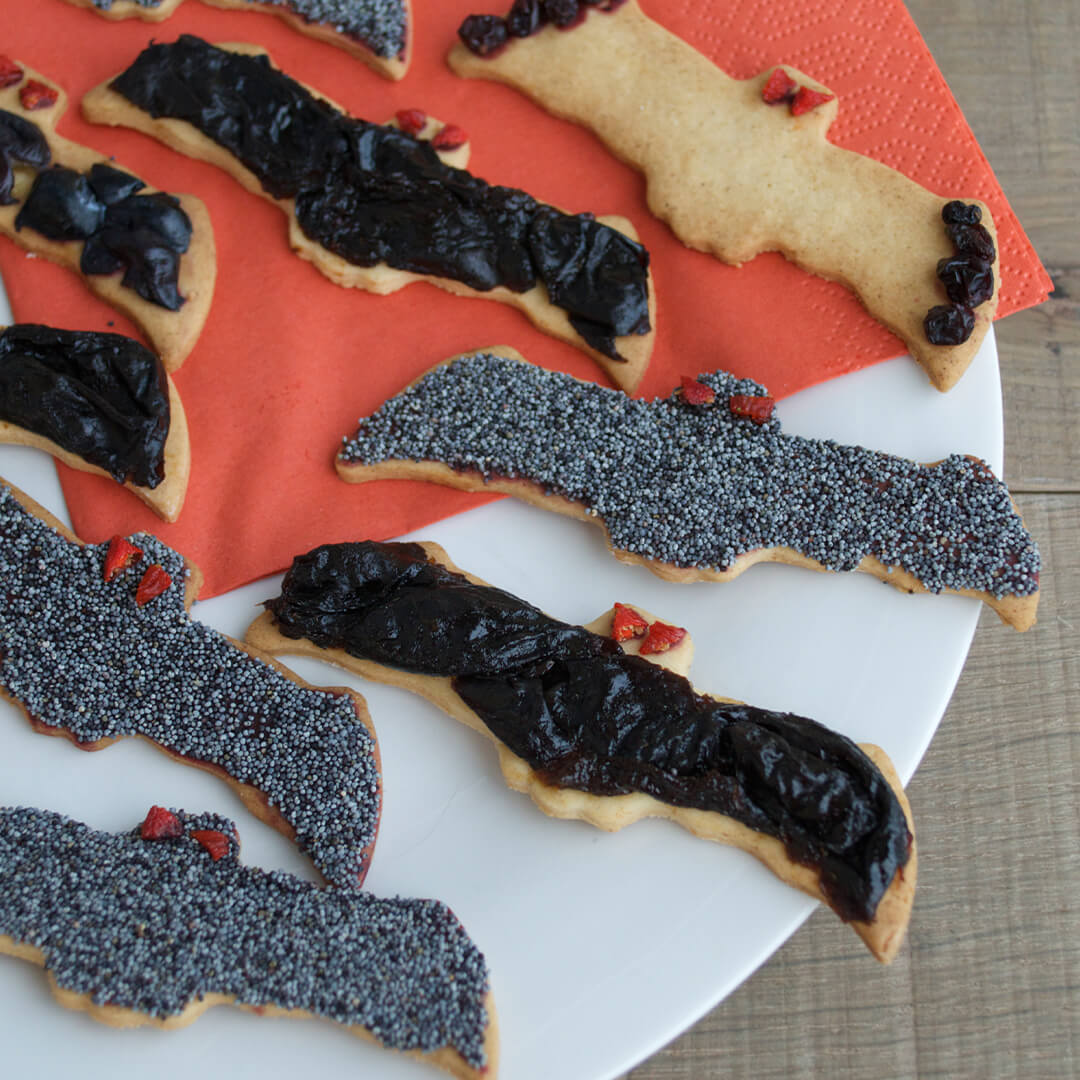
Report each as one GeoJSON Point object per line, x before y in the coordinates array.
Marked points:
{"type": "Point", "coordinates": [101, 219]}
{"type": "Point", "coordinates": [375, 208]}
{"type": "Point", "coordinates": [98, 644]}
{"type": "Point", "coordinates": [594, 732]}
{"type": "Point", "coordinates": [702, 484]}
{"type": "Point", "coordinates": [101, 403]}
{"type": "Point", "coordinates": [740, 167]}
{"type": "Point", "coordinates": [378, 32]}
{"type": "Point", "coordinates": [157, 925]}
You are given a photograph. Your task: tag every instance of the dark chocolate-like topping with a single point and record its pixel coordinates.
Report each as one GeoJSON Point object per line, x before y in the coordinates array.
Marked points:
{"type": "Point", "coordinates": [22, 142]}
{"type": "Point", "coordinates": [82, 656]}
{"type": "Point", "coordinates": [154, 926]}
{"type": "Point", "coordinates": [587, 716]}
{"type": "Point", "coordinates": [373, 194]}
{"type": "Point", "coordinates": [102, 397]}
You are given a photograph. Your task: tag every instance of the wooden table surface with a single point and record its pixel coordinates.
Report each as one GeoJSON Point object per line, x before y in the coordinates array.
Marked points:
{"type": "Point", "coordinates": [988, 981]}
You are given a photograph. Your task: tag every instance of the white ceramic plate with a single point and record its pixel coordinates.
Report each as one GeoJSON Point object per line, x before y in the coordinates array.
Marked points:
{"type": "Point", "coordinates": [602, 947]}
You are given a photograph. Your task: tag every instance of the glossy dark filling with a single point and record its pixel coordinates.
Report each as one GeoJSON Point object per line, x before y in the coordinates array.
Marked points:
{"type": "Point", "coordinates": [585, 715]}
{"type": "Point", "coordinates": [102, 397]}
{"type": "Point", "coordinates": [373, 194]}
{"type": "Point", "coordinates": [21, 143]}
{"type": "Point", "coordinates": [142, 235]}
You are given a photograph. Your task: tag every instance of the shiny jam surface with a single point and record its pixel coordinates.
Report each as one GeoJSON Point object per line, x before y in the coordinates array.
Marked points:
{"type": "Point", "coordinates": [103, 397]}
{"type": "Point", "coordinates": [587, 716]}
{"type": "Point", "coordinates": [372, 194]}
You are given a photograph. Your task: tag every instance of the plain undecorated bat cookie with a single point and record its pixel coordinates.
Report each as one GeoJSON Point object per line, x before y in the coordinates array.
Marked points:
{"type": "Point", "coordinates": [148, 254]}
{"type": "Point", "coordinates": [592, 731]}
{"type": "Point", "coordinates": [101, 403]}
{"type": "Point", "coordinates": [376, 208]}
{"type": "Point", "coordinates": [703, 484]}
{"type": "Point", "coordinates": [739, 167]}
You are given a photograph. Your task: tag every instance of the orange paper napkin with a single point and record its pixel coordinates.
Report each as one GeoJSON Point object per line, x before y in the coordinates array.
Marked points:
{"type": "Point", "coordinates": [288, 361]}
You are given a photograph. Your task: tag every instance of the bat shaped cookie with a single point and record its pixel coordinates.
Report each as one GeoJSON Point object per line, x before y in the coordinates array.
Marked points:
{"type": "Point", "coordinates": [739, 167]}
{"type": "Point", "coordinates": [97, 644]}
{"type": "Point", "coordinates": [702, 484]}
{"type": "Point", "coordinates": [594, 732]}
{"type": "Point", "coordinates": [98, 402]}
{"type": "Point", "coordinates": [159, 924]}
{"type": "Point", "coordinates": [373, 207]}
{"type": "Point", "coordinates": [378, 32]}
{"type": "Point", "coordinates": [148, 254]}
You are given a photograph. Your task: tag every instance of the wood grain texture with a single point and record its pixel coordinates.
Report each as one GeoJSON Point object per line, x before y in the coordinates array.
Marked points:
{"type": "Point", "coordinates": [988, 983]}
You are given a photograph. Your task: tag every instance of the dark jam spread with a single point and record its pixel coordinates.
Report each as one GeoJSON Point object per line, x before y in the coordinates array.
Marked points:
{"type": "Point", "coordinates": [373, 194]}
{"type": "Point", "coordinates": [103, 397]}
{"type": "Point", "coordinates": [587, 716]}
{"type": "Point", "coordinates": [143, 235]}
{"type": "Point", "coordinates": [21, 143]}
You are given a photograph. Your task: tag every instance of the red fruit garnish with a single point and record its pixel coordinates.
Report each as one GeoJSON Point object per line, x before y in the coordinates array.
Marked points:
{"type": "Point", "coordinates": [806, 99]}
{"type": "Point", "coordinates": [160, 824]}
{"type": "Point", "coordinates": [758, 409]}
{"type": "Point", "coordinates": [780, 87]}
{"type": "Point", "coordinates": [411, 121]}
{"type": "Point", "coordinates": [661, 637]}
{"type": "Point", "coordinates": [695, 393]}
{"type": "Point", "coordinates": [216, 843]}
{"type": "Point", "coordinates": [10, 72]}
{"type": "Point", "coordinates": [450, 138]}
{"type": "Point", "coordinates": [36, 95]}
{"type": "Point", "coordinates": [154, 582]}
{"type": "Point", "coordinates": [627, 623]}
{"type": "Point", "coordinates": [121, 554]}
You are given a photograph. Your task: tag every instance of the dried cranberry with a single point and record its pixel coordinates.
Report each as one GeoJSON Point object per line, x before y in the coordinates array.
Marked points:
{"type": "Point", "coordinates": [752, 406]}
{"type": "Point", "coordinates": [36, 95]}
{"type": "Point", "coordinates": [960, 213]}
{"type": "Point", "coordinates": [450, 138]}
{"type": "Point", "coordinates": [525, 18]}
{"type": "Point", "coordinates": [161, 824]}
{"type": "Point", "coordinates": [121, 554]}
{"type": "Point", "coordinates": [411, 121]}
{"type": "Point", "coordinates": [972, 240]}
{"type": "Point", "coordinates": [214, 842]}
{"type": "Point", "coordinates": [805, 100]}
{"type": "Point", "coordinates": [152, 584]}
{"type": "Point", "coordinates": [626, 623]}
{"type": "Point", "coordinates": [948, 324]}
{"type": "Point", "coordinates": [661, 637]}
{"type": "Point", "coordinates": [483, 34]}
{"type": "Point", "coordinates": [696, 393]}
{"type": "Point", "coordinates": [779, 88]}
{"type": "Point", "coordinates": [968, 280]}
{"type": "Point", "coordinates": [562, 13]}
{"type": "Point", "coordinates": [10, 72]}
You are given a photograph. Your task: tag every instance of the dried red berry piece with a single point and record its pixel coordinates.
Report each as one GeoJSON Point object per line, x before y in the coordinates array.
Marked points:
{"type": "Point", "coordinates": [10, 72]}
{"type": "Point", "coordinates": [627, 623]}
{"type": "Point", "coordinates": [411, 121]}
{"type": "Point", "coordinates": [758, 409]}
{"type": "Point", "coordinates": [36, 95]}
{"type": "Point", "coordinates": [696, 393]}
{"type": "Point", "coordinates": [121, 554]}
{"type": "Point", "coordinates": [216, 843]}
{"type": "Point", "coordinates": [154, 582]}
{"type": "Point", "coordinates": [661, 637]}
{"type": "Point", "coordinates": [806, 99]}
{"type": "Point", "coordinates": [779, 88]}
{"type": "Point", "coordinates": [160, 824]}
{"type": "Point", "coordinates": [450, 138]}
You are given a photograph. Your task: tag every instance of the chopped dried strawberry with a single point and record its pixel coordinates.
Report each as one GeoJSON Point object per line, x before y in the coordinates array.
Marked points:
{"type": "Point", "coordinates": [780, 87]}
{"type": "Point", "coordinates": [161, 824]}
{"type": "Point", "coordinates": [411, 121]}
{"type": "Point", "coordinates": [36, 95]}
{"type": "Point", "coordinates": [216, 843]}
{"type": "Point", "coordinates": [154, 582]}
{"type": "Point", "coordinates": [121, 554]}
{"type": "Point", "coordinates": [807, 99]}
{"type": "Point", "coordinates": [627, 623]}
{"type": "Point", "coordinates": [10, 72]}
{"type": "Point", "coordinates": [450, 138]}
{"type": "Point", "coordinates": [661, 637]}
{"type": "Point", "coordinates": [758, 409]}
{"type": "Point", "coordinates": [696, 393]}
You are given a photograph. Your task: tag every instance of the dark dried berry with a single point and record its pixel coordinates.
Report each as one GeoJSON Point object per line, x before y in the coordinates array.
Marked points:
{"type": "Point", "coordinates": [562, 12]}
{"type": "Point", "coordinates": [949, 324]}
{"type": "Point", "coordinates": [972, 240]}
{"type": "Point", "coordinates": [960, 213]}
{"type": "Point", "coordinates": [968, 280]}
{"type": "Point", "coordinates": [525, 18]}
{"type": "Point", "coordinates": [483, 34]}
